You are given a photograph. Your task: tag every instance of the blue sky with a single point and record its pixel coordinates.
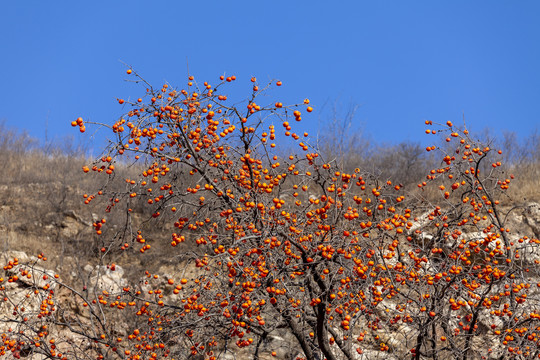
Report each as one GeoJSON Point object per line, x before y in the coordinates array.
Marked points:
{"type": "Point", "coordinates": [401, 62]}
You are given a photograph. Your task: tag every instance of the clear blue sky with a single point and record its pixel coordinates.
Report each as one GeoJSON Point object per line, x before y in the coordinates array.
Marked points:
{"type": "Point", "coordinates": [402, 62]}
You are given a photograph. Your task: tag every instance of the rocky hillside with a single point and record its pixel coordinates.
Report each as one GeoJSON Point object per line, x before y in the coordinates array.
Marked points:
{"type": "Point", "coordinates": [49, 244]}
{"type": "Point", "coordinates": [50, 219]}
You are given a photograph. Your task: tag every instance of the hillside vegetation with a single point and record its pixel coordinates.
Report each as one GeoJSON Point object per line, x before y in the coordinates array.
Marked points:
{"type": "Point", "coordinates": [195, 235]}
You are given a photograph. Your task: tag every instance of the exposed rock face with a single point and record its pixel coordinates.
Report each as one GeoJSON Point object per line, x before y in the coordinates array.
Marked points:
{"type": "Point", "coordinates": [24, 276]}
{"type": "Point", "coordinates": [377, 355]}
{"type": "Point", "coordinates": [103, 278]}
{"type": "Point", "coordinates": [531, 216]}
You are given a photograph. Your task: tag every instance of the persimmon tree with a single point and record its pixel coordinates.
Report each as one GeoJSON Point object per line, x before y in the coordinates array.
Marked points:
{"type": "Point", "coordinates": [345, 262]}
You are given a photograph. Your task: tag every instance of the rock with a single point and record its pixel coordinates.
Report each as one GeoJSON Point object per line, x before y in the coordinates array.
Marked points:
{"type": "Point", "coordinates": [486, 319]}
{"type": "Point", "coordinates": [36, 276]}
{"type": "Point", "coordinates": [105, 279]}
{"type": "Point", "coordinates": [369, 354]}
{"type": "Point", "coordinates": [10, 255]}
{"type": "Point", "coordinates": [531, 216]}
{"type": "Point", "coordinates": [73, 215]}
{"type": "Point", "coordinates": [69, 227]}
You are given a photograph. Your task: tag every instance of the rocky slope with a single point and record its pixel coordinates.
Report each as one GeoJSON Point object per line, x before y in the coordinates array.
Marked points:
{"type": "Point", "coordinates": [38, 220]}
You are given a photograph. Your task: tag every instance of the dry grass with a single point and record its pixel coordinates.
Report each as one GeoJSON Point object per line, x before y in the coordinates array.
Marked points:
{"type": "Point", "coordinates": [42, 209]}
{"type": "Point", "coordinates": [408, 162]}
